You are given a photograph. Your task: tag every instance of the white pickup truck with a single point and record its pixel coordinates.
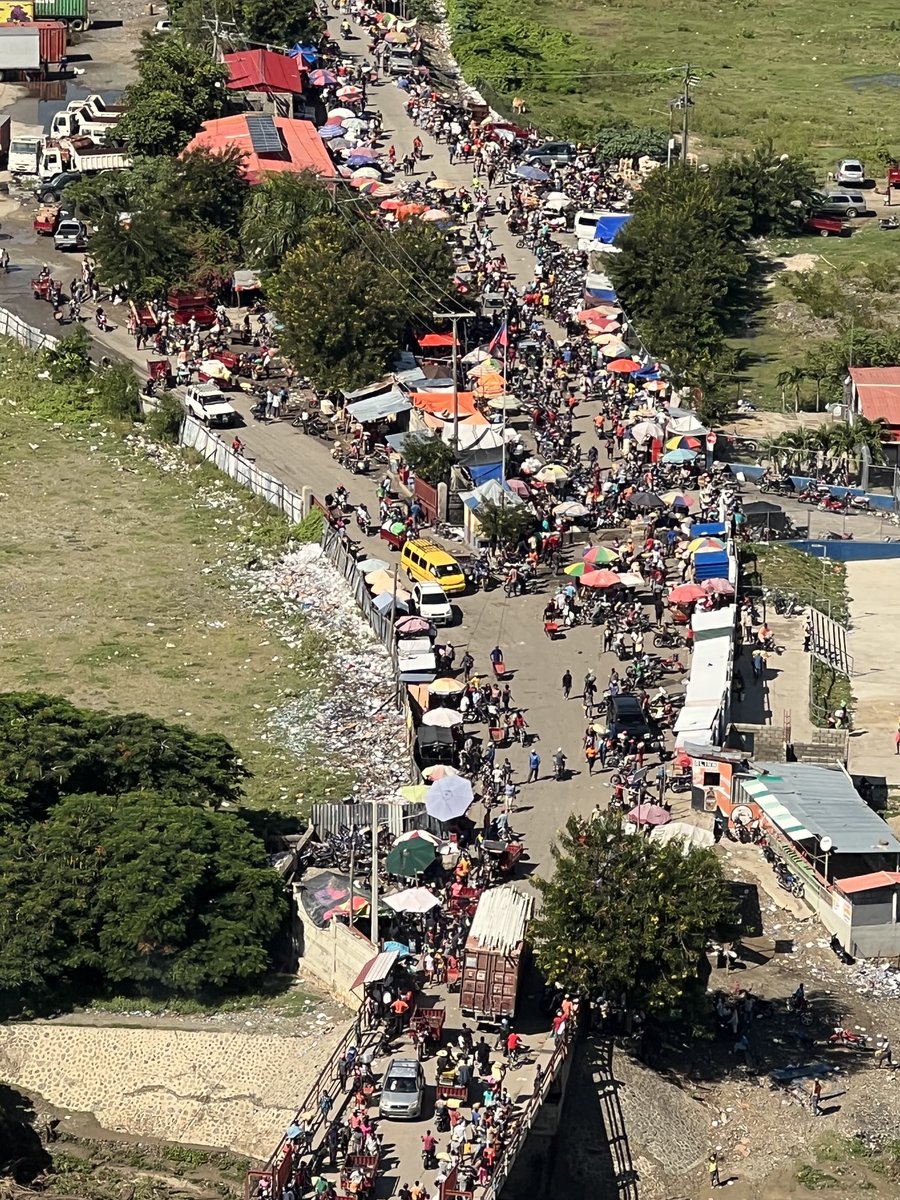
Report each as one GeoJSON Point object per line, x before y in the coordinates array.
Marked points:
{"type": "Point", "coordinates": [205, 402]}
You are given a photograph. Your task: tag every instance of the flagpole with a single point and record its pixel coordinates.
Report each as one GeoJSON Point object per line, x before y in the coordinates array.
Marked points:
{"type": "Point", "coordinates": [505, 335]}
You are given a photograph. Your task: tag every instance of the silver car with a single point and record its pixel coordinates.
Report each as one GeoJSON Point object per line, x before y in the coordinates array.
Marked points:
{"type": "Point", "coordinates": [402, 1090]}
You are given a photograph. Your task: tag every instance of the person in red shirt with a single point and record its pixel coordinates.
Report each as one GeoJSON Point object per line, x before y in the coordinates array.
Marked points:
{"type": "Point", "coordinates": [513, 1045]}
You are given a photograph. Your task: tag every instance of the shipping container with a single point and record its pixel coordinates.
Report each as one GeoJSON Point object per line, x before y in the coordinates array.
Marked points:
{"type": "Point", "coordinates": [5, 139]}
{"type": "Point", "coordinates": [73, 12]}
{"type": "Point", "coordinates": [54, 40]}
{"type": "Point", "coordinates": [20, 48]}
{"type": "Point", "coordinates": [496, 955]}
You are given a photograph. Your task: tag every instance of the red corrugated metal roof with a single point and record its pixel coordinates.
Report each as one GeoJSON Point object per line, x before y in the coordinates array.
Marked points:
{"type": "Point", "coordinates": [878, 389]}
{"type": "Point", "coordinates": [262, 71]}
{"type": "Point", "coordinates": [303, 148]}
{"type": "Point", "coordinates": [868, 883]}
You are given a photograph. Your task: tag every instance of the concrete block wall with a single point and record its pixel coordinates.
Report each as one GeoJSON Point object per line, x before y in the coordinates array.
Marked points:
{"type": "Point", "coordinates": [335, 955]}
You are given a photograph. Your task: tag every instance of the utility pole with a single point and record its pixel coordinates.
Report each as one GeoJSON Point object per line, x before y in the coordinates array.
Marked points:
{"type": "Point", "coordinates": [685, 105]}
{"type": "Point", "coordinates": [454, 318]}
{"type": "Point", "coordinates": [216, 28]}
{"type": "Point", "coordinates": [374, 888]}
{"type": "Point", "coordinates": [688, 81]}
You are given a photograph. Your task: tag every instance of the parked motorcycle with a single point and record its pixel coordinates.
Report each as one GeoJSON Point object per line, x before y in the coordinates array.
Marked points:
{"type": "Point", "coordinates": [846, 1037]}
{"type": "Point", "coordinates": [669, 639]}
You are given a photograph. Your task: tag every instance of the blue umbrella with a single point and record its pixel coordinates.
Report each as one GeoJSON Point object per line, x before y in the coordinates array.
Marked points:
{"type": "Point", "coordinates": [402, 950]}
{"type": "Point", "coordinates": [535, 174]}
{"type": "Point", "coordinates": [361, 160]}
{"type": "Point", "coordinates": [331, 131]}
{"type": "Point", "coordinates": [679, 456]}
{"type": "Point", "coordinates": [322, 78]}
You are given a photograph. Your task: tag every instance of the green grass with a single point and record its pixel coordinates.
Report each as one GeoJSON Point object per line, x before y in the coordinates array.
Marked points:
{"type": "Point", "coordinates": [279, 995]}
{"type": "Point", "coordinates": [815, 581]}
{"type": "Point", "coordinates": [775, 343]}
{"type": "Point", "coordinates": [815, 1180]}
{"type": "Point", "coordinates": [115, 596]}
{"type": "Point", "coordinates": [766, 70]}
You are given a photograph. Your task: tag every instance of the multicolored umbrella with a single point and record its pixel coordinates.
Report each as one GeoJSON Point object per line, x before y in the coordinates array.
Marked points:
{"type": "Point", "coordinates": [366, 187]}
{"type": "Point", "coordinates": [678, 500]}
{"type": "Point", "coordinates": [601, 555]}
{"type": "Point", "coordinates": [703, 545]}
{"type": "Point", "coordinates": [682, 443]}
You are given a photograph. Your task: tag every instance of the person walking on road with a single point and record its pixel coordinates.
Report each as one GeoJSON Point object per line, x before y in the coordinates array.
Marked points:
{"type": "Point", "coordinates": [534, 765]}
{"type": "Point", "coordinates": [712, 1167]}
{"type": "Point", "coordinates": [816, 1098]}
{"type": "Point", "coordinates": [567, 691]}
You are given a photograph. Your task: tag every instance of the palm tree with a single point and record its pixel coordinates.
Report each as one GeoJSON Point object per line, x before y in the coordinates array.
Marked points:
{"type": "Point", "coordinates": [277, 213]}
{"type": "Point", "coordinates": [870, 434]}
{"type": "Point", "coordinates": [792, 377]}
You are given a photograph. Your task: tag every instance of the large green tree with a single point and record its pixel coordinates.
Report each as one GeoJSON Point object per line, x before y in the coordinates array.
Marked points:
{"type": "Point", "coordinates": [683, 272]}
{"type": "Point", "coordinates": [183, 222]}
{"type": "Point", "coordinates": [629, 916]}
{"type": "Point", "coordinates": [179, 86]}
{"type": "Point", "coordinates": [118, 867]}
{"type": "Point", "coordinates": [347, 293]}
{"type": "Point", "coordinates": [49, 748]}
{"type": "Point", "coordinates": [774, 191]}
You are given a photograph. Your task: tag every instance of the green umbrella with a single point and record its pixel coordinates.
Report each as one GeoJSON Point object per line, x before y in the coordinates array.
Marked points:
{"type": "Point", "coordinates": [409, 858]}
{"type": "Point", "coordinates": [397, 527]}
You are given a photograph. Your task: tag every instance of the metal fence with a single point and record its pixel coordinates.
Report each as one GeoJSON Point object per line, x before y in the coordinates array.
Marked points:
{"type": "Point", "coordinates": [196, 436]}
{"type": "Point", "coordinates": [342, 558]}
{"type": "Point", "coordinates": [398, 818]}
{"type": "Point", "coordinates": [14, 327]}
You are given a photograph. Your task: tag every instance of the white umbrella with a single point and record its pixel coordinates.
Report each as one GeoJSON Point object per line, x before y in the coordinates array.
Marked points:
{"type": "Point", "coordinates": [571, 508]}
{"type": "Point", "coordinates": [644, 431]}
{"type": "Point", "coordinates": [449, 798]}
{"type": "Point", "coordinates": [552, 473]}
{"type": "Point", "coordinates": [342, 112]}
{"type": "Point", "coordinates": [442, 718]}
{"type": "Point", "coordinates": [504, 404]}
{"type": "Point", "coordinates": [558, 200]}
{"type": "Point", "coordinates": [368, 566]}
{"type": "Point", "coordinates": [474, 357]}
{"type": "Point", "coordinates": [412, 900]}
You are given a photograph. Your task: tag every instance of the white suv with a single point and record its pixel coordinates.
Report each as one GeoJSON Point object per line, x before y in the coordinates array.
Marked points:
{"type": "Point", "coordinates": [850, 171]}
{"type": "Point", "coordinates": [432, 603]}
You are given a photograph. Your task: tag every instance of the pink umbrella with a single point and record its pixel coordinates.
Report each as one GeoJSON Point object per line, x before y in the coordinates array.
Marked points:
{"type": "Point", "coordinates": [649, 814]}
{"type": "Point", "coordinates": [519, 486]}
{"type": "Point", "coordinates": [718, 587]}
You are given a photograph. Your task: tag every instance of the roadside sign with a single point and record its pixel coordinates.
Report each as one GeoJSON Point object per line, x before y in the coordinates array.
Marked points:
{"type": "Point", "coordinates": [710, 441]}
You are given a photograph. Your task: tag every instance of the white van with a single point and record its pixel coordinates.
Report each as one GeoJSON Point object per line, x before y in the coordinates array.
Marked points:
{"type": "Point", "coordinates": [585, 226]}
{"type": "Point", "coordinates": [432, 603]}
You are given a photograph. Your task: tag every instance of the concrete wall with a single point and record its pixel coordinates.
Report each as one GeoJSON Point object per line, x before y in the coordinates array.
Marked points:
{"type": "Point", "coordinates": [335, 955]}
{"type": "Point", "coordinates": [847, 551]}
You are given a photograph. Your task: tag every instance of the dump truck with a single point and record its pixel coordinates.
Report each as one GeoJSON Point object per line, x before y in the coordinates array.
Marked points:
{"type": "Point", "coordinates": [496, 955]}
{"type": "Point", "coordinates": [98, 108]}
{"type": "Point", "coordinates": [73, 13]}
{"type": "Point", "coordinates": [79, 122]}
{"type": "Point", "coordinates": [25, 151]}
{"type": "Point", "coordinates": [88, 158]}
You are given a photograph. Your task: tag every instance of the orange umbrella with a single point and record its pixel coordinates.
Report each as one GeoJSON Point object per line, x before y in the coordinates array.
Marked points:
{"type": "Point", "coordinates": [600, 579]}
{"type": "Point", "coordinates": [490, 385]}
{"type": "Point", "coordinates": [410, 210]}
{"type": "Point", "coordinates": [624, 366]}
{"type": "Point", "coordinates": [686, 593]}
{"type": "Point", "coordinates": [391, 205]}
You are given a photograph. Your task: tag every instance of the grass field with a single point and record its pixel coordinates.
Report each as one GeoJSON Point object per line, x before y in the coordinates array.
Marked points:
{"type": "Point", "coordinates": [113, 596]}
{"type": "Point", "coordinates": [818, 79]}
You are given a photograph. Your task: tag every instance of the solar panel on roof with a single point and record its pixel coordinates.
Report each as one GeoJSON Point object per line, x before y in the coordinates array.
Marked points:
{"type": "Point", "coordinates": [264, 135]}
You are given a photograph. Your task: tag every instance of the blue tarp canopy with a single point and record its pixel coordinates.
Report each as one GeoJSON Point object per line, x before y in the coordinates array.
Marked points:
{"type": "Point", "coordinates": [606, 294]}
{"type": "Point", "coordinates": [375, 408]}
{"type": "Point", "coordinates": [485, 472]}
{"type": "Point", "coordinates": [608, 227]}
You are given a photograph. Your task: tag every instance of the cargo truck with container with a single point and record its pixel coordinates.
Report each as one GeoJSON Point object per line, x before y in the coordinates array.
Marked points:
{"type": "Point", "coordinates": [31, 47]}
{"type": "Point", "coordinates": [73, 13]}
{"type": "Point", "coordinates": [496, 955]}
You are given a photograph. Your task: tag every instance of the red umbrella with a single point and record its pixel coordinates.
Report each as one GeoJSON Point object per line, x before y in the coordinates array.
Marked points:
{"type": "Point", "coordinates": [685, 593]}
{"type": "Point", "coordinates": [601, 579]}
{"type": "Point", "coordinates": [391, 205]}
{"type": "Point", "coordinates": [624, 366]}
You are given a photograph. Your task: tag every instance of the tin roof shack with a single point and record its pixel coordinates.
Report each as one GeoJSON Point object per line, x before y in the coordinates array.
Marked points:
{"type": "Point", "coordinates": [496, 955]}
{"type": "Point", "coordinates": [847, 857]}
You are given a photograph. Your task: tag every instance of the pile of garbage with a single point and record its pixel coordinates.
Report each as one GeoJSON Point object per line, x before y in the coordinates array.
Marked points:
{"type": "Point", "coordinates": [349, 720]}
{"type": "Point", "coordinates": [876, 979]}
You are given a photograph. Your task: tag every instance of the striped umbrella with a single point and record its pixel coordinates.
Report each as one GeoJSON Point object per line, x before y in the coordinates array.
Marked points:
{"type": "Point", "coordinates": [600, 555]}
